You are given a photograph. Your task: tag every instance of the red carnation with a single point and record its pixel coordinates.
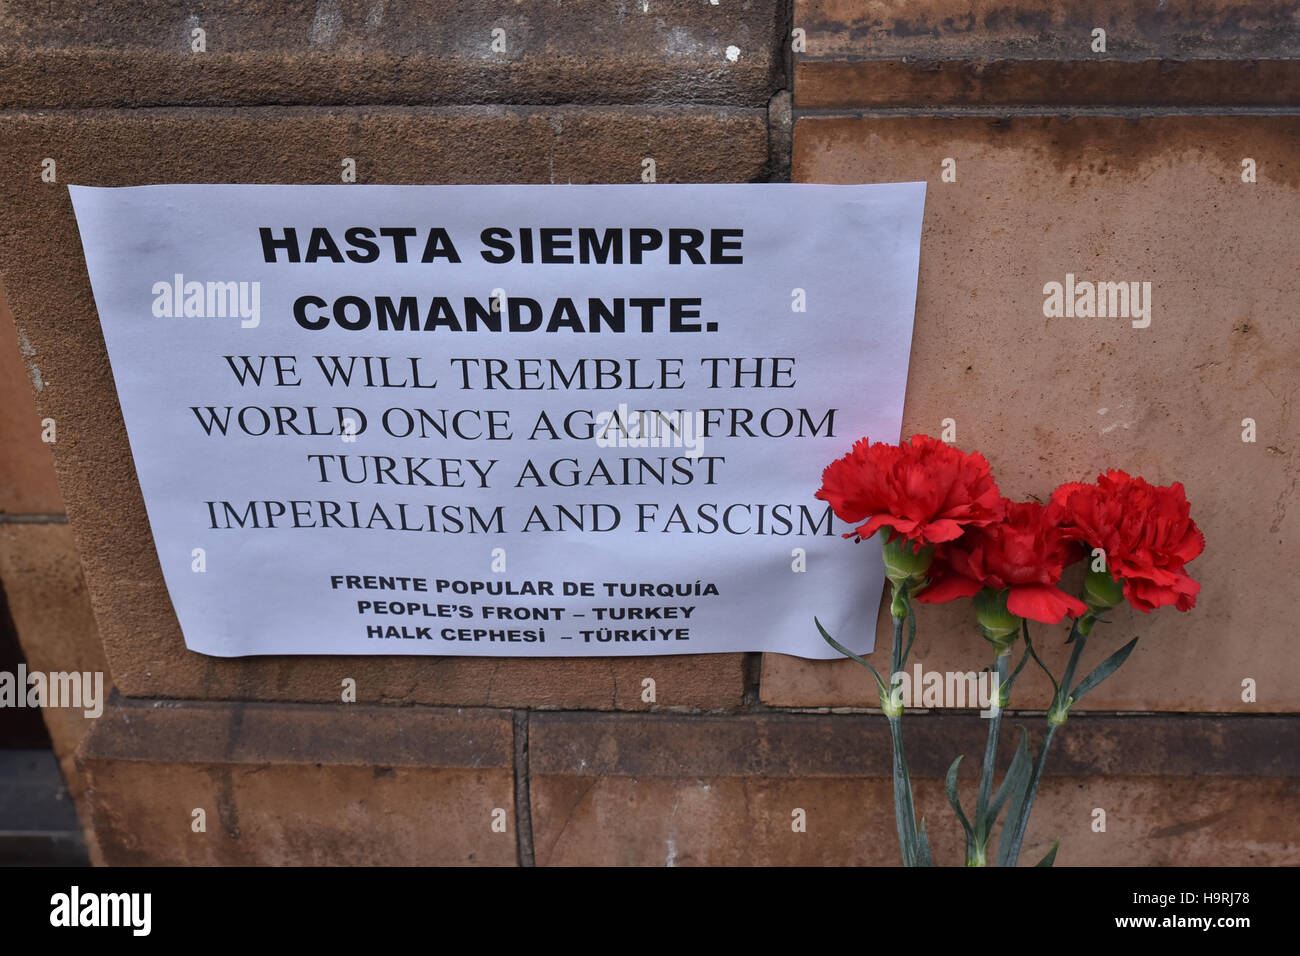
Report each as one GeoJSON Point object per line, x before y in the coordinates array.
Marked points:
{"type": "Point", "coordinates": [1145, 531]}
{"type": "Point", "coordinates": [1023, 553]}
{"type": "Point", "coordinates": [926, 491]}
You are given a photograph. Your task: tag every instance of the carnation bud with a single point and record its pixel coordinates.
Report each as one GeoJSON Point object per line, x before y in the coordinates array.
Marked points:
{"type": "Point", "coordinates": [906, 564]}
{"type": "Point", "coordinates": [1101, 591]}
{"type": "Point", "coordinates": [999, 625]}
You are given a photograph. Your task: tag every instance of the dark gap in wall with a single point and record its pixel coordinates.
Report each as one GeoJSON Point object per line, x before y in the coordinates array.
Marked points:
{"type": "Point", "coordinates": [20, 727]}
{"type": "Point", "coordinates": [523, 802]}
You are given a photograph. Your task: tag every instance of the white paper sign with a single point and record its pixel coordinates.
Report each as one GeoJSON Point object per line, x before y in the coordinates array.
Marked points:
{"type": "Point", "coordinates": [506, 420]}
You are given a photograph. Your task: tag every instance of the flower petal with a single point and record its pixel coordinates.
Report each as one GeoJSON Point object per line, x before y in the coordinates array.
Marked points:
{"type": "Point", "coordinates": [1045, 603]}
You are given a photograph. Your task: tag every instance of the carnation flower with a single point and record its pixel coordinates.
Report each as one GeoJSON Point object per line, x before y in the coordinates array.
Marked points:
{"type": "Point", "coordinates": [1144, 530]}
{"type": "Point", "coordinates": [926, 491]}
{"type": "Point", "coordinates": [1023, 553]}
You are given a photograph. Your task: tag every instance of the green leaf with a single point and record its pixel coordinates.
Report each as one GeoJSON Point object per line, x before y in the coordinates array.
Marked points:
{"type": "Point", "coordinates": [1104, 670]}
{"type": "Point", "coordinates": [880, 684]}
{"type": "Point", "coordinates": [1051, 855]}
{"type": "Point", "coordinates": [1018, 791]}
{"type": "Point", "coordinates": [950, 785]}
{"type": "Point", "coordinates": [1074, 631]}
{"type": "Point", "coordinates": [923, 857]}
{"type": "Point", "coordinates": [1015, 780]}
{"type": "Point", "coordinates": [1022, 802]}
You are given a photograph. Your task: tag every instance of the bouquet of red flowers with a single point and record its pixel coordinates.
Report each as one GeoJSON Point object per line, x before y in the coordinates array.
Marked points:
{"type": "Point", "coordinates": [947, 533]}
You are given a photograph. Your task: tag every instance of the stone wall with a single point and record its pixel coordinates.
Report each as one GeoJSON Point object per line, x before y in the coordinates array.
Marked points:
{"type": "Point", "coordinates": [1127, 164]}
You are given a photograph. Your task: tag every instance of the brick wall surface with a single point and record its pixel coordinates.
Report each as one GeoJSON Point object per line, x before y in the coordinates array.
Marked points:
{"type": "Point", "coordinates": [123, 53]}
{"type": "Point", "coordinates": [936, 53]}
{"type": "Point", "coordinates": [1122, 163]}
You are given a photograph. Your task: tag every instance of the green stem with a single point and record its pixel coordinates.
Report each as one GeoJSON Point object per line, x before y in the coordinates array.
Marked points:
{"type": "Point", "coordinates": [1055, 718]}
{"type": "Point", "coordinates": [911, 637]}
{"type": "Point", "coordinates": [1022, 823]}
{"type": "Point", "coordinates": [913, 844]}
{"type": "Point", "coordinates": [1080, 639]}
{"type": "Point", "coordinates": [896, 649]}
{"type": "Point", "coordinates": [904, 808]}
{"type": "Point", "coordinates": [976, 854]}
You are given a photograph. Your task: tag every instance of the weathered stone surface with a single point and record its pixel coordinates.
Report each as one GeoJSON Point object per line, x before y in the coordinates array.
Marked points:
{"type": "Point", "coordinates": [1048, 400]}
{"type": "Point", "coordinates": [27, 482]}
{"type": "Point", "coordinates": [300, 785]}
{"type": "Point", "coordinates": [40, 257]}
{"type": "Point", "coordinates": [1017, 52]}
{"type": "Point", "coordinates": [43, 585]}
{"type": "Point", "coordinates": [653, 791]}
{"type": "Point", "coordinates": [60, 53]}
